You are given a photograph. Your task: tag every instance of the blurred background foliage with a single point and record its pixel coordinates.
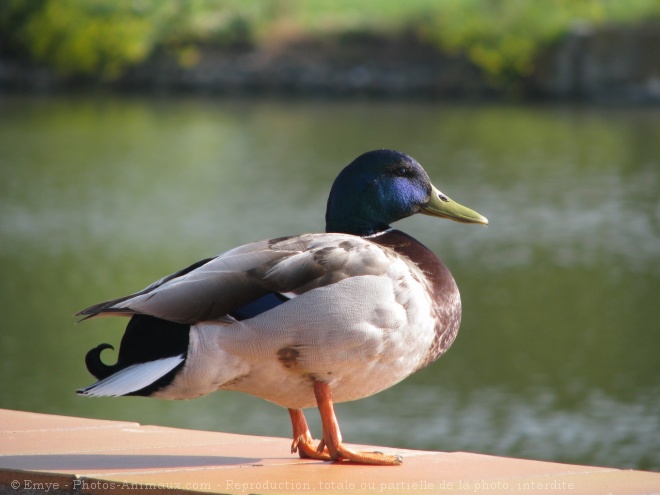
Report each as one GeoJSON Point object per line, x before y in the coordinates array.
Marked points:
{"type": "Point", "coordinates": [103, 37]}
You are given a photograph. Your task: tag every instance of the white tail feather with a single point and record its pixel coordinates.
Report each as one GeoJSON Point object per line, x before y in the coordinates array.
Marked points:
{"type": "Point", "coordinates": [132, 378]}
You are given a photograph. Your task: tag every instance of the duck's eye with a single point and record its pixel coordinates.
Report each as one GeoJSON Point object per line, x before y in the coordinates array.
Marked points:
{"type": "Point", "coordinates": [402, 171]}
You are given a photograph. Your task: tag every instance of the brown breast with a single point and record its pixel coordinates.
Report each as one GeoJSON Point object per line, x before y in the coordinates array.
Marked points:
{"type": "Point", "coordinates": [446, 298]}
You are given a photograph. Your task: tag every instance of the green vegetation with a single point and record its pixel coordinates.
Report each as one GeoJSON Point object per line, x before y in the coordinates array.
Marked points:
{"type": "Point", "coordinates": [503, 37]}
{"type": "Point", "coordinates": [104, 36]}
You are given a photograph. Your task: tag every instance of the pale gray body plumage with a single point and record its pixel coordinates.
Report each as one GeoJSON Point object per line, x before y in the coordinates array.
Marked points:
{"type": "Point", "coordinates": [360, 318]}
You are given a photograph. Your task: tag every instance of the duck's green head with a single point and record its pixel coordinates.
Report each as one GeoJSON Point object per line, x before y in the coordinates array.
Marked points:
{"type": "Point", "coordinates": [383, 186]}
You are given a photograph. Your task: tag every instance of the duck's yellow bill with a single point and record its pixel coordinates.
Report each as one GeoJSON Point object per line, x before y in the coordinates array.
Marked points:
{"type": "Point", "coordinates": [441, 206]}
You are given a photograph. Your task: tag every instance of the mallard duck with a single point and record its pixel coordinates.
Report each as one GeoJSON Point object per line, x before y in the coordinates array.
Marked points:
{"type": "Point", "coordinates": [301, 321]}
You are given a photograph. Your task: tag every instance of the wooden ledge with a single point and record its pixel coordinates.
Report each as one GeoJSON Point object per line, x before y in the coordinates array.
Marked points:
{"type": "Point", "coordinates": [42, 453]}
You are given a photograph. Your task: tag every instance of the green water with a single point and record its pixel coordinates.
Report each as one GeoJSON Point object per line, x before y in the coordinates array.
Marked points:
{"type": "Point", "coordinates": [558, 354]}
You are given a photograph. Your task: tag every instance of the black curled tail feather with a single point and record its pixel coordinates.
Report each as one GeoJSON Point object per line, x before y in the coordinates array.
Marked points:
{"type": "Point", "coordinates": [146, 339]}
{"type": "Point", "coordinates": [95, 366]}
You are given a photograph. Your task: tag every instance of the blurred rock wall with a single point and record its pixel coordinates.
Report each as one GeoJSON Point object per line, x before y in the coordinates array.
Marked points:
{"type": "Point", "coordinates": [608, 64]}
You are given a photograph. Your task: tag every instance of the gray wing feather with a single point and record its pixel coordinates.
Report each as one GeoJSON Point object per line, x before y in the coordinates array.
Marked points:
{"type": "Point", "coordinates": [213, 288]}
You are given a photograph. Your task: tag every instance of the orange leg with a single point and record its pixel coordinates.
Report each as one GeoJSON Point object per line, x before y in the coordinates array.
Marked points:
{"type": "Point", "coordinates": [303, 443]}
{"type": "Point", "coordinates": [332, 440]}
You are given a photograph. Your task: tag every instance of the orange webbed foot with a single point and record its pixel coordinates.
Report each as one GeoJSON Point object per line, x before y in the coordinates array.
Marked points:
{"type": "Point", "coordinates": [303, 443]}
{"type": "Point", "coordinates": [307, 450]}
{"type": "Point", "coordinates": [330, 448]}
{"type": "Point", "coordinates": [332, 441]}
{"type": "Point", "coordinates": [340, 453]}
